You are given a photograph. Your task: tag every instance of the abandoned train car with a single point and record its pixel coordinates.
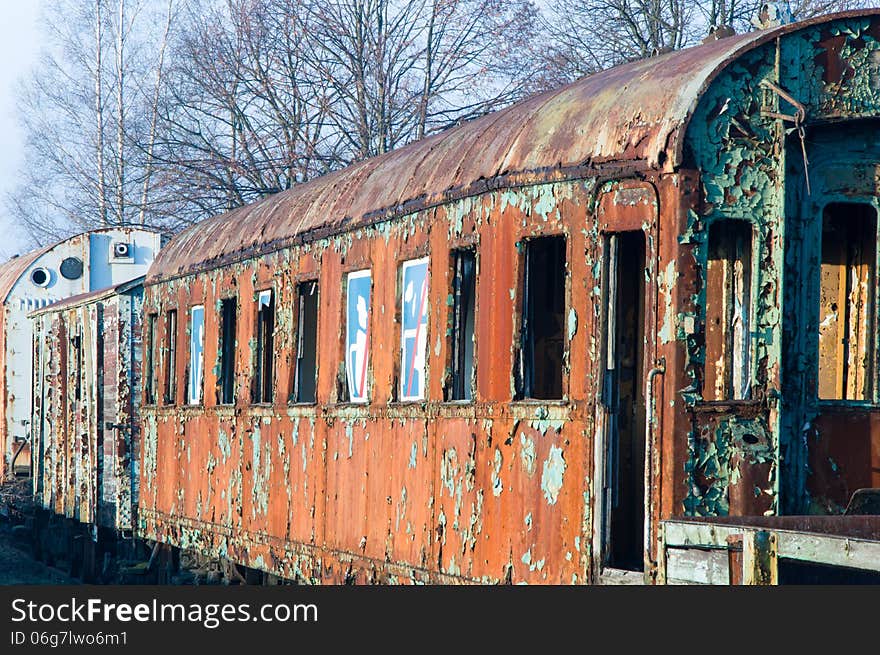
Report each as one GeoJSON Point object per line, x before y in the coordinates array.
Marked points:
{"type": "Point", "coordinates": [506, 352]}
{"type": "Point", "coordinates": [87, 379]}
{"type": "Point", "coordinates": [79, 264]}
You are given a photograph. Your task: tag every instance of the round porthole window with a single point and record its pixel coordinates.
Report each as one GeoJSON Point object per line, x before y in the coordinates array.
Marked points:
{"type": "Point", "coordinates": [72, 268]}
{"type": "Point", "coordinates": [40, 276]}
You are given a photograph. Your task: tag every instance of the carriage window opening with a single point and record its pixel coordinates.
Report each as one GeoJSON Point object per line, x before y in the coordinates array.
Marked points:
{"type": "Point", "coordinates": [171, 368]}
{"type": "Point", "coordinates": [305, 382]}
{"type": "Point", "coordinates": [728, 311]}
{"type": "Point", "coordinates": [462, 337]}
{"type": "Point", "coordinates": [227, 351]}
{"type": "Point", "coordinates": [150, 377]}
{"type": "Point", "coordinates": [414, 328]}
{"type": "Point", "coordinates": [76, 342]}
{"type": "Point", "coordinates": [196, 353]}
{"type": "Point", "coordinates": [846, 301]}
{"type": "Point", "coordinates": [265, 354]}
{"type": "Point", "coordinates": [357, 335]}
{"type": "Point", "coordinates": [542, 331]}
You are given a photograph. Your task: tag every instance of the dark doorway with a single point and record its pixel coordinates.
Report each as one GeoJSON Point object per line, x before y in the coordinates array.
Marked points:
{"type": "Point", "coordinates": [623, 391]}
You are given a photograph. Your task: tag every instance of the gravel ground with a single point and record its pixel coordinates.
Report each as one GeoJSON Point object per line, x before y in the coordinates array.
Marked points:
{"type": "Point", "coordinates": [18, 567]}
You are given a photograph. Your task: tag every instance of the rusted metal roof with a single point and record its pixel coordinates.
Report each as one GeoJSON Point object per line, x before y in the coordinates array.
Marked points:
{"type": "Point", "coordinates": [634, 115]}
{"type": "Point", "coordinates": [13, 269]}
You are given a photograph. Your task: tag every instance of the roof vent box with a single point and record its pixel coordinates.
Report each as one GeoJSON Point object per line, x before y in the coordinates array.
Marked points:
{"type": "Point", "coordinates": [121, 252]}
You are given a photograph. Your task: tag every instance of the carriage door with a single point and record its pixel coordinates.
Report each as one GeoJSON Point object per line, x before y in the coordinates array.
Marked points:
{"type": "Point", "coordinates": [622, 456]}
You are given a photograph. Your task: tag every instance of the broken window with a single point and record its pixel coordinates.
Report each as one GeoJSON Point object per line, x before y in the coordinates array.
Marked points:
{"type": "Point", "coordinates": [464, 269]}
{"type": "Point", "coordinates": [414, 328]}
{"type": "Point", "coordinates": [846, 301]}
{"type": "Point", "coordinates": [151, 373]}
{"type": "Point", "coordinates": [76, 343]}
{"type": "Point", "coordinates": [226, 382]}
{"type": "Point", "coordinates": [357, 335]}
{"type": "Point", "coordinates": [196, 352]}
{"type": "Point", "coordinates": [265, 353]}
{"type": "Point", "coordinates": [728, 311]}
{"type": "Point", "coordinates": [305, 381]}
{"type": "Point", "coordinates": [171, 368]}
{"type": "Point", "coordinates": [542, 342]}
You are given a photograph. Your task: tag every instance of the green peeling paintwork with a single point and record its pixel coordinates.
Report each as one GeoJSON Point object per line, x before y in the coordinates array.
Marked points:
{"type": "Point", "coordinates": [552, 475]}
{"type": "Point", "coordinates": [572, 323]}
{"type": "Point", "coordinates": [744, 176]}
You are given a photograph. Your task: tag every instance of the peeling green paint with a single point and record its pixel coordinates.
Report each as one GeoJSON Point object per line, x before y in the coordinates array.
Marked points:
{"type": "Point", "coordinates": [551, 477]}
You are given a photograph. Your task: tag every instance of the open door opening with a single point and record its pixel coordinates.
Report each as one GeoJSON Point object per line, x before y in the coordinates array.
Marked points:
{"type": "Point", "coordinates": [623, 397]}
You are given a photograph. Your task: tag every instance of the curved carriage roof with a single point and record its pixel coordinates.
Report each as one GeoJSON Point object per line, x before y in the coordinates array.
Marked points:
{"type": "Point", "coordinates": [632, 115]}
{"type": "Point", "coordinates": [12, 269]}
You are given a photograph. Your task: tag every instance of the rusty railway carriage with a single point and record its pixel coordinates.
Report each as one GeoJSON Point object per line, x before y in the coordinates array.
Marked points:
{"type": "Point", "coordinates": [78, 264]}
{"type": "Point", "coordinates": [86, 427]}
{"type": "Point", "coordinates": [506, 352]}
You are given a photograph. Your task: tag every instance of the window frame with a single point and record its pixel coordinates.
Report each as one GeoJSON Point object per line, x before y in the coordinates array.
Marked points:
{"type": "Point", "coordinates": [297, 340]}
{"type": "Point", "coordinates": [873, 375]}
{"type": "Point", "coordinates": [424, 298]}
{"type": "Point", "coordinates": [747, 342]}
{"type": "Point", "coordinates": [170, 381]}
{"type": "Point", "coordinates": [348, 276]}
{"type": "Point", "coordinates": [190, 363]}
{"type": "Point", "coordinates": [453, 347]}
{"type": "Point", "coordinates": [259, 381]}
{"type": "Point", "coordinates": [76, 349]}
{"type": "Point", "coordinates": [151, 365]}
{"type": "Point", "coordinates": [224, 353]}
{"type": "Point", "coordinates": [523, 389]}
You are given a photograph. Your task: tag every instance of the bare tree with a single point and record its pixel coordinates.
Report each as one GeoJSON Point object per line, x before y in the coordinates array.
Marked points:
{"type": "Point", "coordinates": [163, 112]}
{"type": "Point", "coordinates": [93, 80]}
{"type": "Point", "coordinates": [154, 115]}
{"type": "Point", "coordinates": [596, 34]}
{"type": "Point", "coordinates": [591, 35]}
{"type": "Point", "coordinates": [400, 70]}
{"type": "Point", "coordinates": [244, 113]}
{"type": "Point", "coordinates": [98, 74]}
{"type": "Point", "coordinates": [266, 94]}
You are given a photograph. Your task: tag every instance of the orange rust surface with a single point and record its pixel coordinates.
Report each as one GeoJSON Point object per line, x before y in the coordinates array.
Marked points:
{"type": "Point", "coordinates": [435, 488]}
{"type": "Point", "coordinates": [395, 491]}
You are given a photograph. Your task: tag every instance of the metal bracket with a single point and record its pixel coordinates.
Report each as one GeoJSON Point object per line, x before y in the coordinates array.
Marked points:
{"type": "Point", "coordinates": [797, 119]}
{"type": "Point", "coordinates": [800, 114]}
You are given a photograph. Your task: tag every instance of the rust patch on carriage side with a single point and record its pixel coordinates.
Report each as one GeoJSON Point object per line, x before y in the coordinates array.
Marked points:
{"type": "Point", "coordinates": [338, 491]}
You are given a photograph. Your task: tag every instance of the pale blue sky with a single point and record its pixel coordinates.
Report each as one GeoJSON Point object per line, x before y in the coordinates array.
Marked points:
{"type": "Point", "coordinates": [19, 48]}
